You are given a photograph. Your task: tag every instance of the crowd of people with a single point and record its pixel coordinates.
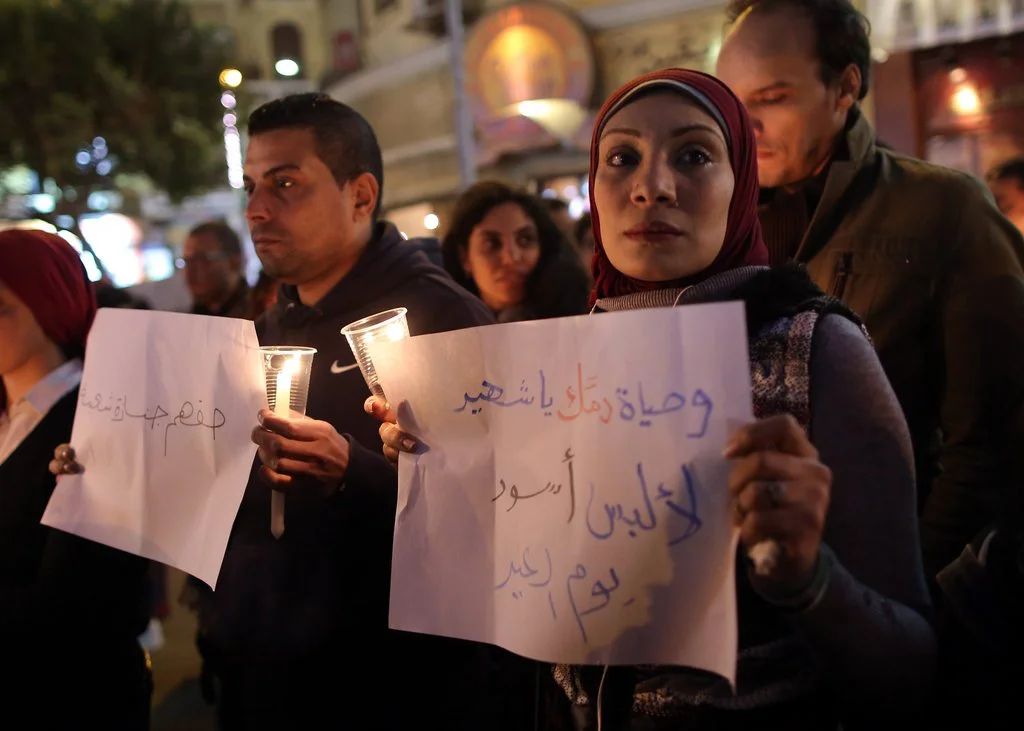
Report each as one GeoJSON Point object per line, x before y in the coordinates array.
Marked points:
{"type": "Point", "coordinates": [885, 314]}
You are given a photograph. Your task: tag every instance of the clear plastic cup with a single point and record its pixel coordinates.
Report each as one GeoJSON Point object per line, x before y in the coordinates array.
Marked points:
{"type": "Point", "coordinates": [286, 369]}
{"type": "Point", "coordinates": [388, 326]}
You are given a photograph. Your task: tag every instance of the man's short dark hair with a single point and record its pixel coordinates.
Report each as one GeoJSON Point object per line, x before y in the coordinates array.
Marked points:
{"type": "Point", "coordinates": [1009, 170]}
{"type": "Point", "coordinates": [345, 141]}
{"type": "Point", "coordinates": [222, 233]}
{"type": "Point", "coordinates": [842, 33]}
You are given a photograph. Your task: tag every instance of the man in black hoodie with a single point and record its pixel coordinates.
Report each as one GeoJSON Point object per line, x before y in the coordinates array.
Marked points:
{"type": "Point", "coordinates": [298, 625]}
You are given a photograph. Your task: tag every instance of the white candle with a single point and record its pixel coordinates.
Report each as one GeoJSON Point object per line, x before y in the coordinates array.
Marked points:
{"type": "Point", "coordinates": [282, 407]}
{"type": "Point", "coordinates": [283, 400]}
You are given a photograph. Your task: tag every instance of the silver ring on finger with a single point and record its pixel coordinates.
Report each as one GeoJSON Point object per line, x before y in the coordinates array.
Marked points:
{"type": "Point", "coordinates": [775, 493]}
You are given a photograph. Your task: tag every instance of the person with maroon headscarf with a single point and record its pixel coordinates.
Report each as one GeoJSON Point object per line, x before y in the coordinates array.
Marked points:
{"type": "Point", "coordinates": [832, 615]}
{"type": "Point", "coordinates": [70, 609]}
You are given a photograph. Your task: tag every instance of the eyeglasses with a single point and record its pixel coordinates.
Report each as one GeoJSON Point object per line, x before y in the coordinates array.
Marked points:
{"type": "Point", "coordinates": [202, 258]}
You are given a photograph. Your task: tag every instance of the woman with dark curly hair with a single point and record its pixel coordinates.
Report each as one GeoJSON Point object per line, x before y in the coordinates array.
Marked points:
{"type": "Point", "coordinates": [504, 247]}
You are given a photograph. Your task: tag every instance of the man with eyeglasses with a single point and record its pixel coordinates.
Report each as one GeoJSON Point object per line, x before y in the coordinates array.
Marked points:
{"type": "Point", "coordinates": [213, 271]}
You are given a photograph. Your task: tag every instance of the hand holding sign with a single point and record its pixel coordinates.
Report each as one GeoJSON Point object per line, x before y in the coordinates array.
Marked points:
{"type": "Point", "coordinates": [782, 495]}
{"type": "Point", "coordinates": [394, 439]}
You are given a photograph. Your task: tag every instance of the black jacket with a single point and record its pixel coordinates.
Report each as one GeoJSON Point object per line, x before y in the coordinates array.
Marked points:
{"type": "Point", "coordinates": [70, 608]}
{"type": "Point", "coordinates": [315, 601]}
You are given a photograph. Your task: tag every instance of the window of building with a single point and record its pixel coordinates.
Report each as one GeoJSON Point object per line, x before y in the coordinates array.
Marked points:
{"type": "Point", "coordinates": [286, 42]}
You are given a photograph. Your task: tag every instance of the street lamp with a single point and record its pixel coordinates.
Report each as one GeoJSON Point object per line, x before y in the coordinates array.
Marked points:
{"type": "Point", "coordinates": [286, 67]}
{"type": "Point", "coordinates": [231, 78]}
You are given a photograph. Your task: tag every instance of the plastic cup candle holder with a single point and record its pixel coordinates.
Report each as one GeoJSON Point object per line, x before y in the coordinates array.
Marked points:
{"type": "Point", "coordinates": [388, 326]}
{"type": "Point", "coordinates": [286, 370]}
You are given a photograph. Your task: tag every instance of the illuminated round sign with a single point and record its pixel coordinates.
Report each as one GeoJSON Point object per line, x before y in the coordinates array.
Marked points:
{"type": "Point", "coordinates": [527, 51]}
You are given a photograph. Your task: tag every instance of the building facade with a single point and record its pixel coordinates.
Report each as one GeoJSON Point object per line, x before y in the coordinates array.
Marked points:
{"type": "Point", "coordinates": [949, 84]}
{"type": "Point", "coordinates": [535, 73]}
{"type": "Point", "coordinates": [286, 46]}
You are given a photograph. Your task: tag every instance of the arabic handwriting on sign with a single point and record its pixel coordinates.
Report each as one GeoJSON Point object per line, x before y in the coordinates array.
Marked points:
{"type": "Point", "coordinates": [687, 510]}
{"type": "Point", "coordinates": [546, 402]}
{"type": "Point", "coordinates": [671, 403]}
{"type": "Point", "coordinates": [627, 412]}
{"type": "Point", "coordinates": [644, 518]}
{"type": "Point", "coordinates": [494, 394]}
{"type": "Point", "coordinates": [535, 571]}
{"type": "Point", "coordinates": [189, 415]}
{"type": "Point", "coordinates": [598, 591]}
{"type": "Point", "coordinates": [701, 400]}
{"type": "Point", "coordinates": [579, 405]}
{"type": "Point", "coordinates": [569, 457]}
{"type": "Point", "coordinates": [638, 519]}
{"type": "Point", "coordinates": [526, 570]}
{"type": "Point", "coordinates": [554, 488]}
{"type": "Point", "coordinates": [579, 401]}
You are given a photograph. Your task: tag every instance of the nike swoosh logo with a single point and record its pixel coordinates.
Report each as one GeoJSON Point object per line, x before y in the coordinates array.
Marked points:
{"type": "Point", "coordinates": [335, 368]}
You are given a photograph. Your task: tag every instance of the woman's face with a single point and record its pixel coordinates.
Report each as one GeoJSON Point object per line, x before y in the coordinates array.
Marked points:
{"type": "Point", "coordinates": [503, 251]}
{"type": "Point", "coordinates": [662, 188]}
{"type": "Point", "coordinates": [21, 338]}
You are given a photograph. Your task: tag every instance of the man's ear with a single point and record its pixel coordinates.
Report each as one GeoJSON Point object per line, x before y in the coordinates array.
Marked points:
{"type": "Point", "coordinates": [366, 193]}
{"type": "Point", "coordinates": [849, 85]}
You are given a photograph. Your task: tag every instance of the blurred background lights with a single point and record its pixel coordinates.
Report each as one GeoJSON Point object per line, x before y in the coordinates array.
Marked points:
{"type": "Point", "coordinates": [286, 67]}
{"type": "Point", "coordinates": [231, 78]}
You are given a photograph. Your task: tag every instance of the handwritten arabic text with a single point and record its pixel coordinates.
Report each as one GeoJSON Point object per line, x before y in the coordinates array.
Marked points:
{"type": "Point", "coordinates": [580, 402]}
{"type": "Point", "coordinates": [189, 414]}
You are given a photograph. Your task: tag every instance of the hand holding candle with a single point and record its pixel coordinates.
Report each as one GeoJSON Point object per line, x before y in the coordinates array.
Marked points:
{"type": "Point", "coordinates": [392, 326]}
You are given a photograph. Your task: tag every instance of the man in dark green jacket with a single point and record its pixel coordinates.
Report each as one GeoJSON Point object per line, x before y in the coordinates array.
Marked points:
{"type": "Point", "coordinates": [918, 250]}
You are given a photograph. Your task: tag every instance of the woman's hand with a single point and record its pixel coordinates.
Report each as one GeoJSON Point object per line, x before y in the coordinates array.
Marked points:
{"type": "Point", "coordinates": [781, 492]}
{"type": "Point", "coordinates": [395, 440]}
{"type": "Point", "coordinates": [64, 461]}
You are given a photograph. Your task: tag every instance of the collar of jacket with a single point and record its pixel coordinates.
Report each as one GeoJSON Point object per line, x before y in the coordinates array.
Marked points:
{"type": "Point", "coordinates": [856, 150]}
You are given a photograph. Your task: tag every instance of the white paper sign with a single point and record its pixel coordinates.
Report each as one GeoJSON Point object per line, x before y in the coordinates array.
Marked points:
{"type": "Point", "coordinates": [165, 410]}
{"type": "Point", "coordinates": [571, 504]}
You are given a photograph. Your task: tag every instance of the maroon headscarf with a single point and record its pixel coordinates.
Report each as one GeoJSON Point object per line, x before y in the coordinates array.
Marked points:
{"type": "Point", "coordinates": [743, 245]}
{"type": "Point", "coordinates": [45, 272]}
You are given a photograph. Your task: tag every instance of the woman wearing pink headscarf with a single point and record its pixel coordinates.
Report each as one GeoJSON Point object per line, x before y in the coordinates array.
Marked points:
{"type": "Point", "coordinates": [70, 609]}
{"type": "Point", "coordinates": [831, 597]}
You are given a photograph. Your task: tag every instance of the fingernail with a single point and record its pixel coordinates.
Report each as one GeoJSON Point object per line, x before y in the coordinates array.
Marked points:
{"type": "Point", "coordinates": [730, 449]}
{"type": "Point", "coordinates": [259, 417]}
{"type": "Point", "coordinates": [409, 444]}
{"type": "Point", "coordinates": [368, 405]}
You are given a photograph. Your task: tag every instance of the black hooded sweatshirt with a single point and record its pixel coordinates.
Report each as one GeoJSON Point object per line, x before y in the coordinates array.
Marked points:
{"type": "Point", "coordinates": [309, 611]}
